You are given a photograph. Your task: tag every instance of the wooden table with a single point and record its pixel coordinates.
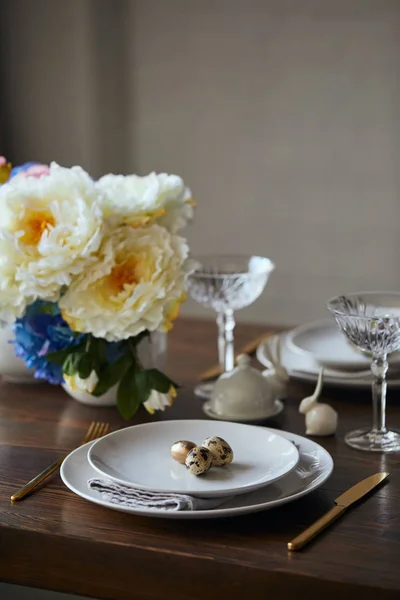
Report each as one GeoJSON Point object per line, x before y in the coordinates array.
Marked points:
{"type": "Point", "coordinates": [56, 540]}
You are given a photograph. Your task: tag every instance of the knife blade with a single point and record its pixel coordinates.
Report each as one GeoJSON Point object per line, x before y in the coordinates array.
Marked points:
{"type": "Point", "coordinates": [342, 503]}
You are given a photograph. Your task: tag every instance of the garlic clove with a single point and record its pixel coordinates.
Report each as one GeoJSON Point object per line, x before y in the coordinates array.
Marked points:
{"type": "Point", "coordinates": [321, 420]}
{"type": "Point", "coordinates": [307, 404]}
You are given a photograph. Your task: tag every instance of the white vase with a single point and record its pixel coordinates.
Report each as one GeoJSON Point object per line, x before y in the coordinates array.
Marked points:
{"type": "Point", "coordinates": [12, 368]}
{"type": "Point", "coordinates": [107, 399]}
{"type": "Point", "coordinates": [151, 353]}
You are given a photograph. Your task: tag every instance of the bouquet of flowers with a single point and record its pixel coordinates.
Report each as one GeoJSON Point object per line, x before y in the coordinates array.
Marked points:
{"type": "Point", "coordinates": [87, 270]}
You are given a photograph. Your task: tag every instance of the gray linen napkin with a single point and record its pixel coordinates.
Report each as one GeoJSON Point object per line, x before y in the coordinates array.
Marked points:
{"type": "Point", "coordinates": [124, 495]}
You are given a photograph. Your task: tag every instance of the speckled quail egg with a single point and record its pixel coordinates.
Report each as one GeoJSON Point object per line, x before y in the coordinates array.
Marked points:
{"type": "Point", "coordinates": [180, 450]}
{"type": "Point", "coordinates": [199, 460]}
{"type": "Point", "coordinates": [221, 451]}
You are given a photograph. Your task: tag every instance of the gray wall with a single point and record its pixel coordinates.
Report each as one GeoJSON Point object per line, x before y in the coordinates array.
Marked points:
{"type": "Point", "coordinates": [282, 115]}
{"type": "Point", "coordinates": [284, 118]}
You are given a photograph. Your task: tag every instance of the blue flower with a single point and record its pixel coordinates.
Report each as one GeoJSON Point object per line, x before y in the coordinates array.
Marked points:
{"type": "Point", "coordinates": [41, 330]}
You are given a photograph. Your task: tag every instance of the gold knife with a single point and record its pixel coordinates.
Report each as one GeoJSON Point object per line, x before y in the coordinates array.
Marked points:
{"type": "Point", "coordinates": [342, 503]}
{"type": "Point", "coordinates": [249, 348]}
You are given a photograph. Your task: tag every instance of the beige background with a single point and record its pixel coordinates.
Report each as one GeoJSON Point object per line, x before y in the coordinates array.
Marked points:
{"type": "Point", "coordinates": [282, 115]}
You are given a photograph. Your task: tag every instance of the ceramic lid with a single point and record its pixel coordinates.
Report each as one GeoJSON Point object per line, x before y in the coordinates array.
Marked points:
{"type": "Point", "coordinates": [243, 392]}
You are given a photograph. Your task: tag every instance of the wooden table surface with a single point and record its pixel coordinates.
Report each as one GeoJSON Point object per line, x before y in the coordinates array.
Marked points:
{"type": "Point", "coordinates": [58, 541]}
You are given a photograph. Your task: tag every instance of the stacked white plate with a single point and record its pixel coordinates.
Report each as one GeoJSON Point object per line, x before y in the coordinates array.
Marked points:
{"type": "Point", "coordinates": [270, 467]}
{"type": "Point", "coordinates": [321, 343]}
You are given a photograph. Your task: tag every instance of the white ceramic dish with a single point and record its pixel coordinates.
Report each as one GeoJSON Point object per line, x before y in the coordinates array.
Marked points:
{"type": "Point", "coordinates": [140, 456]}
{"type": "Point", "coordinates": [314, 468]}
{"type": "Point", "coordinates": [325, 343]}
{"type": "Point", "coordinates": [305, 368]}
{"type": "Point", "coordinates": [278, 408]}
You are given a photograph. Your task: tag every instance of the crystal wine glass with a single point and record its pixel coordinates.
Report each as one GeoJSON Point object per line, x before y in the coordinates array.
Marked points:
{"type": "Point", "coordinates": [227, 284]}
{"type": "Point", "coordinates": [371, 321]}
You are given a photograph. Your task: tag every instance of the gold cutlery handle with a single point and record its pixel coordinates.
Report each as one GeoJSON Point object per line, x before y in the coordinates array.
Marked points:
{"type": "Point", "coordinates": [306, 536]}
{"type": "Point", "coordinates": [36, 480]}
{"type": "Point", "coordinates": [94, 432]}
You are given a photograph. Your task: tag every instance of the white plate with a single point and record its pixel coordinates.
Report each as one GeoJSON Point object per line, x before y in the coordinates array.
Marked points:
{"type": "Point", "coordinates": [324, 342]}
{"type": "Point", "coordinates": [278, 408]}
{"type": "Point", "coordinates": [314, 468]}
{"type": "Point", "coordinates": [305, 368]}
{"type": "Point", "coordinates": [140, 456]}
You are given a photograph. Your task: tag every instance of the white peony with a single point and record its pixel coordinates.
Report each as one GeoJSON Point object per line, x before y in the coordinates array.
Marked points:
{"type": "Point", "coordinates": [136, 284]}
{"type": "Point", "coordinates": [159, 401]}
{"type": "Point", "coordinates": [155, 198]}
{"type": "Point", "coordinates": [83, 385]}
{"type": "Point", "coordinates": [12, 301]}
{"type": "Point", "coordinates": [50, 227]}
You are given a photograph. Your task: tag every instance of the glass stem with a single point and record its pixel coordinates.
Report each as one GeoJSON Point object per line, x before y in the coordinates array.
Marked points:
{"type": "Point", "coordinates": [226, 353]}
{"type": "Point", "coordinates": [379, 369]}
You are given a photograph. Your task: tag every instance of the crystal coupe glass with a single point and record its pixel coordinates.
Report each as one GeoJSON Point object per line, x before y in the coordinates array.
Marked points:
{"type": "Point", "coordinates": [371, 321]}
{"type": "Point", "coordinates": [227, 284]}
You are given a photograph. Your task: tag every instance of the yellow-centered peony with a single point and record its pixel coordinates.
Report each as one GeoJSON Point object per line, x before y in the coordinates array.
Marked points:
{"type": "Point", "coordinates": [33, 225]}
{"type": "Point", "coordinates": [137, 283]}
{"type": "Point", "coordinates": [50, 229]}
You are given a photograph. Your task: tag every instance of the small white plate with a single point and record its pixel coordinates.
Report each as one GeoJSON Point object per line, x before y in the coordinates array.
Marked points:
{"type": "Point", "coordinates": [140, 456]}
{"type": "Point", "coordinates": [324, 342]}
{"type": "Point", "coordinates": [314, 468]}
{"type": "Point", "coordinates": [305, 368]}
{"type": "Point", "coordinates": [278, 408]}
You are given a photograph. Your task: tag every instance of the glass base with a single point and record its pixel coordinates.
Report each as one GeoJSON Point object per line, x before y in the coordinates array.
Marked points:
{"type": "Point", "coordinates": [373, 441]}
{"type": "Point", "coordinates": [204, 390]}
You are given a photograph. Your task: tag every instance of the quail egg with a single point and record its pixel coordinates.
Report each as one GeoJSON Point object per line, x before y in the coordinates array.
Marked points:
{"type": "Point", "coordinates": [221, 451]}
{"type": "Point", "coordinates": [199, 460]}
{"type": "Point", "coordinates": [180, 450]}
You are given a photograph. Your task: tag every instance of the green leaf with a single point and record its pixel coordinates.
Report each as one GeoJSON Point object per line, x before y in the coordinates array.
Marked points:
{"type": "Point", "coordinates": [85, 366]}
{"type": "Point", "coordinates": [101, 348]}
{"type": "Point", "coordinates": [160, 382]}
{"type": "Point", "coordinates": [135, 340]}
{"type": "Point", "coordinates": [143, 385]}
{"type": "Point", "coordinates": [128, 395]}
{"type": "Point", "coordinates": [112, 374]}
{"type": "Point", "coordinates": [70, 366]}
{"type": "Point", "coordinates": [58, 358]}
{"type": "Point", "coordinates": [98, 352]}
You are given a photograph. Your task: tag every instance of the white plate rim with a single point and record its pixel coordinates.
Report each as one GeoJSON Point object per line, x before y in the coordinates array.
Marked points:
{"type": "Point", "coordinates": [211, 513]}
{"type": "Point", "coordinates": [311, 377]}
{"type": "Point", "coordinates": [205, 494]}
{"type": "Point", "coordinates": [313, 326]}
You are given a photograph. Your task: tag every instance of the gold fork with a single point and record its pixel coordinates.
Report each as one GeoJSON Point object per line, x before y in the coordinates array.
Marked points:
{"type": "Point", "coordinates": [95, 431]}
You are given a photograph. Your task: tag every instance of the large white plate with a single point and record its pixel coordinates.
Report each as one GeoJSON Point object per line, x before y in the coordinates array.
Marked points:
{"type": "Point", "coordinates": [314, 468]}
{"type": "Point", "coordinates": [324, 342]}
{"type": "Point", "coordinates": [305, 368]}
{"type": "Point", "coordinates": [140, 456]}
